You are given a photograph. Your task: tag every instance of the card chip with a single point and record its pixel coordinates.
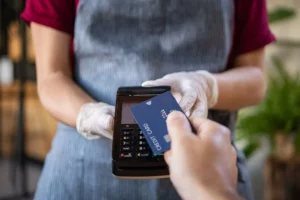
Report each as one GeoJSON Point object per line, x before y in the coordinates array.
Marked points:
{"type": "Point", "coordinates": [167, 138]}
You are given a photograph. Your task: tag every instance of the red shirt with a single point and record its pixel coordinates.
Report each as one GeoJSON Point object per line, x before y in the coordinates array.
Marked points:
{"type": "Point", "coordinates": [251, 29]}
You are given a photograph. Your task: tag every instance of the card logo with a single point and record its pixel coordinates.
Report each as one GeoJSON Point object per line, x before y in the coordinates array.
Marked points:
{"type": "Point", "coordinates": [149, 103]}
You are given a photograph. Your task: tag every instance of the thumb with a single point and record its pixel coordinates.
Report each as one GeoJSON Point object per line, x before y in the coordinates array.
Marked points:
{"type": "Point", "coordinates": [178, 126]}
{"type": "Point", "coordinates": [158, 82]}
{"type": "Point", "coordinates": [148, 83]}
{"type": "Point", "coordinates": [200, 109]}
{"type": "Point", "coordinates": [167, 157]}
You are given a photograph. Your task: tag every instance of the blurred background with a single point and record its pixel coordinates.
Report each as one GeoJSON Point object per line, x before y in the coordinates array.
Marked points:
{"type": "Point", "coordinates": [269, 134]}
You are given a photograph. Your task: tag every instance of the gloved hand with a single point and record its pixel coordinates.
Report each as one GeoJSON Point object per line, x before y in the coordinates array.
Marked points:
{"type": "Point", "coordinates": [198, 90]}
{"type": "Point", "coordinates": [96, 120]}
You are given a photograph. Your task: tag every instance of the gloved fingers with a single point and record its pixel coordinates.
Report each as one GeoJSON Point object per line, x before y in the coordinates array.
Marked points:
{"type": "Point", "coordinates": [110, 110]}
{"type": "Point", "coordinates": [200, 108]}
{"type": "Point", "coordinates": [90, 136]}
{"type": "Point", "coordinates": [212, 88]}
{"type": "Point", "coordinates": [96, 133]}
{"type": "Point", "coordinates": [104, 127]}
{"type": "Point", "coordinates": [107, 122]}
{"type": "Point", "coordinates": [189, 97]}
{"type": "Point", "coordinates": [95, 136]}
{"type": "Point", "coordinates": [174, 75]}
{"type": "Point", "coordinates": [106, 133]}
{"type": "Point", "coordinates": [96, 120]}
{"type": "Point", "coordinates": [159, 82]}
{"type": "Point", "coordinates": [177, 96]}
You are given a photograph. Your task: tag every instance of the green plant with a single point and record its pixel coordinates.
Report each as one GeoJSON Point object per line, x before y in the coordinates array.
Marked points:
{"type": "Point", "coordinates": [280, 14]}
{"type": "Point", "coordinates": [279, 112]}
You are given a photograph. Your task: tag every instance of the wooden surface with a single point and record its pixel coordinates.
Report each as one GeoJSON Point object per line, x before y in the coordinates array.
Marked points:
{"type": "Point", "coordinates": [282, 179]}
{"type": "Point", "coordinates": [40, 127]}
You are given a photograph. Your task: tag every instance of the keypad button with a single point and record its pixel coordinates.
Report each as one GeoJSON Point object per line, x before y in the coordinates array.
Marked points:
{"type": "Point", "coordinates": [142, 142]}
{"type": "Point", "coordinates": [141, 137]}
{"type": "Point", "coordinates": [140, 132]}
{"type": "Point", "coordinates": [126, 155]}
{"type": "Point", "coordinates": [142, 154]}
{"type": "Point", "coordinates": [126, 143]}
{"type": "Point", "coordinates": [127, 138]}
{"type": "Point", "coordinates": [127, 131]}
{"type": "Point", "coordinates": [142, 148]}
{"type": "Point", "coordinates": [126, 148]}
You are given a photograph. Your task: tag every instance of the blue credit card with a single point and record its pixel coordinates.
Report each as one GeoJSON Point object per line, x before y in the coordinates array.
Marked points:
{"type": "Point", "coordinates": [151, 117]}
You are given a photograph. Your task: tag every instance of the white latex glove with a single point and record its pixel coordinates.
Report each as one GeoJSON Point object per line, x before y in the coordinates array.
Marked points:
{"type": "Point", "coordinates": [96, 120]}
{"type": "Point", "coordinates": [198, 90]}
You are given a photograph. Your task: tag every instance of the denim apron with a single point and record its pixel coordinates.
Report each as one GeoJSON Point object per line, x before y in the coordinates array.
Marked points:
{"type": "Point", "coordinates": [124, 43]}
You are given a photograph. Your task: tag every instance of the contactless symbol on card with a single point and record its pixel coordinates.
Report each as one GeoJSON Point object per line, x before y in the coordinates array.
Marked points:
{"type": "Point", "coordinates": [151, 117]}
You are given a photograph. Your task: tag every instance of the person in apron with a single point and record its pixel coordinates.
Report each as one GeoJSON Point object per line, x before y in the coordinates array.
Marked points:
{"type": "Point", "coordinates": [129, 43]}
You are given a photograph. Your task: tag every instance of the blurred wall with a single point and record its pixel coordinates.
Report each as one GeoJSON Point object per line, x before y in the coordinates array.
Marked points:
{"type": "Point", "coordinates": [288, 30]}
{"type": "Point", "coordinates": [14, 43]}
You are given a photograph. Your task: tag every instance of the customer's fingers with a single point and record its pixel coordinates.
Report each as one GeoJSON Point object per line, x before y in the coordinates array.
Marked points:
{"type": "Point", "coordinates": [234, 161]}
{"type": "Point", "coordinates": [206, 128]}
{"type": "Point", "coordinates": [167, 156]}
{"type": "Point", "coordinates": [178, 126]}
{"type": "Point", "coordinates": [202, 124]}
{"type": "Point", "coordinates": [234, 155]}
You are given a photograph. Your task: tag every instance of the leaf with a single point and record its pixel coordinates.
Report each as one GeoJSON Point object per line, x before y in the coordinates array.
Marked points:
{"type": "Point", "coordinates": [281, 14]}
{"type": "Point", "coordinates": [250, 149]}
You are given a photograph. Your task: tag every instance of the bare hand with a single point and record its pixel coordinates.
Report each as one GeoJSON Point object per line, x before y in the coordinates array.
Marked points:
{"type": "Point", "coordinates": [202, 166]}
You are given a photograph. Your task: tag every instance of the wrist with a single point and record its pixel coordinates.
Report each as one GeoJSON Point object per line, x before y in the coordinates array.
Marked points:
{"type": "Point", "coordinates": [197, 191]}
{"type": "Point", "coordinates": [215, 193]}
{"type": "Point", "coordinates": [211, 87]}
